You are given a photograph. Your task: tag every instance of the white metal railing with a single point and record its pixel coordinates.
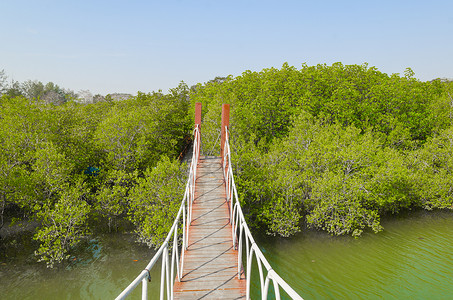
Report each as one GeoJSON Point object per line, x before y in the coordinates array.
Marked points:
{"type": "Point", "coordinates": [184, 216]}
{"type": "Point", "coordinates": [238, 223]}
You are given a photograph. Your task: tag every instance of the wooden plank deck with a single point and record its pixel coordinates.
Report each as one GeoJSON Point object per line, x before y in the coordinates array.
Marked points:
{"type": "Point", "coordinates": [210, 263]}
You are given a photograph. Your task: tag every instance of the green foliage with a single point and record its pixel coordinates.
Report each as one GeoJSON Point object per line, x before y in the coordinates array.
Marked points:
{"type": "Point", "coordinates": [111, 197]}
{"type": "Point", "coordinates": [22, 130]}
{"type": "Point", "coordinates": [138, 131]}
{"type": "Point", "coordinates": [338, 205]}
{"type": "Point", "coordinates": [72, 132]}
{"type": "Point", "coordinates": [156, 199]}
{"type": "Point", "coordinates": [47, 152]}
{"type": "Point", "coordinates": [64, 224]}
{"type": "Point", "coordinates": [333, 147]}
{"type": "Point", "coordinates": [432, 167]}
{"type": "Point", "coordinates": [263, 103]}
{"type": "Point", "coordinates": [51, 171]}
{"type": "Point", "coordinates": [442, 106]}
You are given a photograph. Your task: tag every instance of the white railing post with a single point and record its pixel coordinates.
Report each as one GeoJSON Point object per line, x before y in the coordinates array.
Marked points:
{"type": "Point", "coordinates": [239, 253]}
{"type": "Point", "coordinates": [144, 288]}
{"type": "Point", "coordinates": [162, 275]}
{"type": "Point", "coordinates": [241, 231]}
{"type": "Point", "coordinates": [248, 274]}
{"type": "Point", "coordinates": [167, 271]}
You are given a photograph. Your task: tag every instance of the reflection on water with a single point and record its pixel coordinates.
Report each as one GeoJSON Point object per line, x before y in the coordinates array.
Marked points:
{"type": "Point", "coordinates": [106, 266]}
{"type": "Point", "coordinates": [411, 259]}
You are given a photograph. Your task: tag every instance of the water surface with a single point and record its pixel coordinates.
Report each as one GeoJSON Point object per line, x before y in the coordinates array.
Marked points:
{"type": "Point", "coordinates": [106, 266]}
{"type": "Point", "coordinates": [410, 259]}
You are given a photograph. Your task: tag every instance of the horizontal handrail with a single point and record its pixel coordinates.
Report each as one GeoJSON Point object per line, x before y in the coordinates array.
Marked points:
{"type": "Point", "coordinates": [240, 230]}
{"type": "Point", "coordinates": [183, 216]}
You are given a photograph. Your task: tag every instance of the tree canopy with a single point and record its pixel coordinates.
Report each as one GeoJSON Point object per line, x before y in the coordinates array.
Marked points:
{"type": "Point", "coordinates": [329, 147]}
{"type": "Point", "coordinates": [333, 147]}
{"type": "Point", "coordinates": [73, 167]}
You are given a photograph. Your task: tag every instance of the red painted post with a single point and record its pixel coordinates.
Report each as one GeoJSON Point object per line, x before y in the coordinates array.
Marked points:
{"type": "Point", "coordinates": [198, 114]}
{"type": "Point", "coordinates": [225, 123]}
{"type": "Point", "coordinates": [197, 124]}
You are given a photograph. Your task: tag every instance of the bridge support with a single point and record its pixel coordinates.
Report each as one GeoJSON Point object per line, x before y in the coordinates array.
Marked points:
{"type": "Point", "coordinates": [197, 124]}
{"type": "Point", "coordinates": [225, 123]}
{"type": "Point", "coordinates": [197, 114]}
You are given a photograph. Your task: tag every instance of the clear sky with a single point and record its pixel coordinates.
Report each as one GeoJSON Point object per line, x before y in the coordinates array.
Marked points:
{"type": "Point", "coordinates": [131, 45]}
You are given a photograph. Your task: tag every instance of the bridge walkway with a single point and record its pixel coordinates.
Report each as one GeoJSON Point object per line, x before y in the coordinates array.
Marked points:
{"type": "Point", "coordinates": [210, 262]}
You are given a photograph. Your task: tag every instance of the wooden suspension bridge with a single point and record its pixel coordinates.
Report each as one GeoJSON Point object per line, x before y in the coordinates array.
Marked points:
{"type": "Point", "coordinates": [210, 268]}
{"type": "Point", "coordinates": [208, 263]}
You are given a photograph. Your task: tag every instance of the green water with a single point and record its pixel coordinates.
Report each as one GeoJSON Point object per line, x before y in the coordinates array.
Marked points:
{"type": "Point", "coordinates": [411, 259]}
{"type": "Point", "coordinates": [106, 266]}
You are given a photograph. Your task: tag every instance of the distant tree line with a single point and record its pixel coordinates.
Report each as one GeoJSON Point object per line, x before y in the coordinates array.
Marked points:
{"type": "Point", "coordinates": [51, 93]}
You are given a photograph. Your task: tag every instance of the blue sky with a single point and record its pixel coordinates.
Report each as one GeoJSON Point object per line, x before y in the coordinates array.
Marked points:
{"type": "Point", "coordinates": [129, 46]}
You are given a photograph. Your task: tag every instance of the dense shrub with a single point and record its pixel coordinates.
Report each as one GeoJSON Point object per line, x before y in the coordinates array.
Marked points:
{"type": "Point", "coordinates": [333, 147]}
